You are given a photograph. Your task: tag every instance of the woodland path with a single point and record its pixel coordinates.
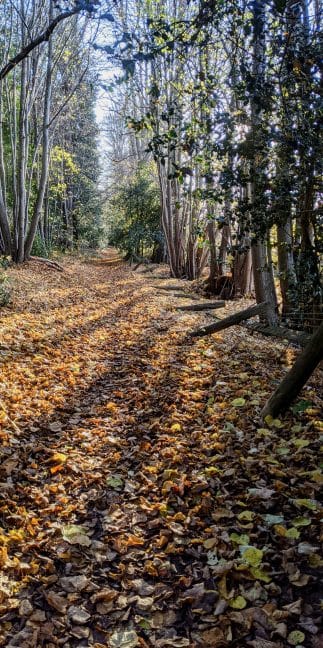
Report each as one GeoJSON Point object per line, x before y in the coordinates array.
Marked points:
{"type": "Point", "coordinates": [142, 501]}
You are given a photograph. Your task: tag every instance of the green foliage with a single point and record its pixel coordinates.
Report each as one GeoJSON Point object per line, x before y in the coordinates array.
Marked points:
{"type": "Point", "coordinates": [39, 248]}
{"type": "Point", "coordinates": [74, 200]}
{"type": "Point", "coordinates": [134, 214]}
{"type": "Point", "coordinates": [5, 262]}
{"type": "Point", "coordinates": [5, 290]}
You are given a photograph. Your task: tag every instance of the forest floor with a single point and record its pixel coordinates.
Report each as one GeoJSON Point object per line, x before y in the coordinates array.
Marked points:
{"type": "Point", "coordinates": [143, 502]}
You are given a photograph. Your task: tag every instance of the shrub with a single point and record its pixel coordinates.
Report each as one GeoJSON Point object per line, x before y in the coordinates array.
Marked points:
{"type": "Point", "coordinates": [5, 291]}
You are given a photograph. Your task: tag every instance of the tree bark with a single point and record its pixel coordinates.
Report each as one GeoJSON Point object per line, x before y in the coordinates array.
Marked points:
{"type": "Point", "coordinates": [230, 321]}
{"type": "Point", "coordinates": [296, 378]}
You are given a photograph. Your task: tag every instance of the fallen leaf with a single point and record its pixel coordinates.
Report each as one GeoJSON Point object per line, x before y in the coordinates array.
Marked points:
{"type": "Point", "coordinates": [76, 534]}
{"type": "Point", "coordinates": [295, 637]}
{"type": "Point", "coordinates": [57, 602]}
{"type": "Point", "coordinates": [252, 556]}
{"type": "Point", "coordinates": [124, 639]}
{"type": "Point", "coordinates": [238, 603]}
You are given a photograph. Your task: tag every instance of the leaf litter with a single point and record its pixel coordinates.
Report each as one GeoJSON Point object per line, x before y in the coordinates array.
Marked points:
{"type": "Point", "coordinates": [142, 503]}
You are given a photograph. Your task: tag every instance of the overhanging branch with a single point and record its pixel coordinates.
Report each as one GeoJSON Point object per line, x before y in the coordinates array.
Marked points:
{"type": "Point", "coordinates": [42, 38]}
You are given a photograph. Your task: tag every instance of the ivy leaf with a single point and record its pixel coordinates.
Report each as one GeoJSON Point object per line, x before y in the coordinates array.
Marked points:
{"type": "Point", "coordinates": [301, 406]}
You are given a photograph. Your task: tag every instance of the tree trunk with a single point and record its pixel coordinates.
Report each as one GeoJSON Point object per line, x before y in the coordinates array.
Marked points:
{"type": "Point", "coordinates": [264, 283]}
{"type": "Point", "coordinates": [296, 378]}
{"type": "Point", "coordinates": [45, 149]}
{"type": "Point", "coordinates": [224, 246]}
{"type": "Point", "coordinates": [262, 269]}
{"type": "Point", "coordinates": [4, 227]}
{"type": "Point", "coordinates": [22, 151]}
{"type": "Point", "coordinates": [214, 266]}
{"type": "Point", "coordinates": [287, 275]}
{"type": "Point", "coordinates": [242, 275]}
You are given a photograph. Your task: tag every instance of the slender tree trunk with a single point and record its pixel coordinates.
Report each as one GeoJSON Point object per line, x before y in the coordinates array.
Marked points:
{"type": "Point", "coordinates": [287, 275]}
{"type": "Point", "coordinates": [262, 269]}
{"type": "Point", "coordinates": [22, 147]}
{"type": "Point", "coordinates": [214, 265]}
{"type": "Point", "coordinates": [45, 149]}
{"type": "Point", "coordinates": [4, 222]}
{"type": "Point", "coordinates": [264, 282]}
{"type": "Point", "coordinates": [224, 246]}
{"type": "Point", "coordinates": [242, 275]}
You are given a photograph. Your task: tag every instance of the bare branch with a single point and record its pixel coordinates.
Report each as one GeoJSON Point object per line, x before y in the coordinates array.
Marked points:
{"type": "Point", "coordinates": [43, 37]}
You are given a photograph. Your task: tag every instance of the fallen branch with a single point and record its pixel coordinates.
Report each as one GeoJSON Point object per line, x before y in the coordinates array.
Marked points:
{"type": "Point", "coordinates": [230, 321]}
{"type": "Point", "coordinates": [186, 296]}
{"type": "Point", "coordinates": [296, 378]}
{"type": "Point", "coordinates": [298, 337]}
{"type": "Point", "coordinates": [51, 264]}
{"type": "Point", "coordinates": [202, 306]}
{"type": "Point", "coordinates": [170, 287]}
{"type": "Point", "coordinates": [141, 262]}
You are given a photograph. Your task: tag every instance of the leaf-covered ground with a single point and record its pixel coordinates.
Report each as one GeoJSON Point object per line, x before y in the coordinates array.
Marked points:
{"type": "Point", "coordinates": [143, 503]}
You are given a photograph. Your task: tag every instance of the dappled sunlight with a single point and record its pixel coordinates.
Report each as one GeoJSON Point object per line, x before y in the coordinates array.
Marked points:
{"type": "Point", "coordinates": [52, 354]}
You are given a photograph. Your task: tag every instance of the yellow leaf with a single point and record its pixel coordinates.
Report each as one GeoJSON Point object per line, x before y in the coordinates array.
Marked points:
{"type": "Point", "coordinates": [260, 574]}
{"type": "Point", "coordinates": [246, 516]}
{"type": "Point", "coordinates": [238, 402]}
{"type": "Point", "coordinates": [111, 407]}
{"type": "Point", "coordinates": [58, 458]}
{"type": "Point", "coordinates": [238, 603]}
{"type": "Point", "coordinates": [301, 521]}
{"type": "Point", "coordinates": [295, 637]}
{"type": "Point", "coordinates": [176, 427]}
{"type": "Point", "coordinates": [16, 534]}
{"type": "Point", "coordinates": [252, 556]}
{"type": "Point", "coordinates": [307, 503]}
{"type": "Point", "coordinates": [301, 443]}
{"type": "Point", "coordinates": [292, 533]}
{"type": "Point", "coordinates": [3, 556]}
{"type": "Point", "coordinates": [280, 529]}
